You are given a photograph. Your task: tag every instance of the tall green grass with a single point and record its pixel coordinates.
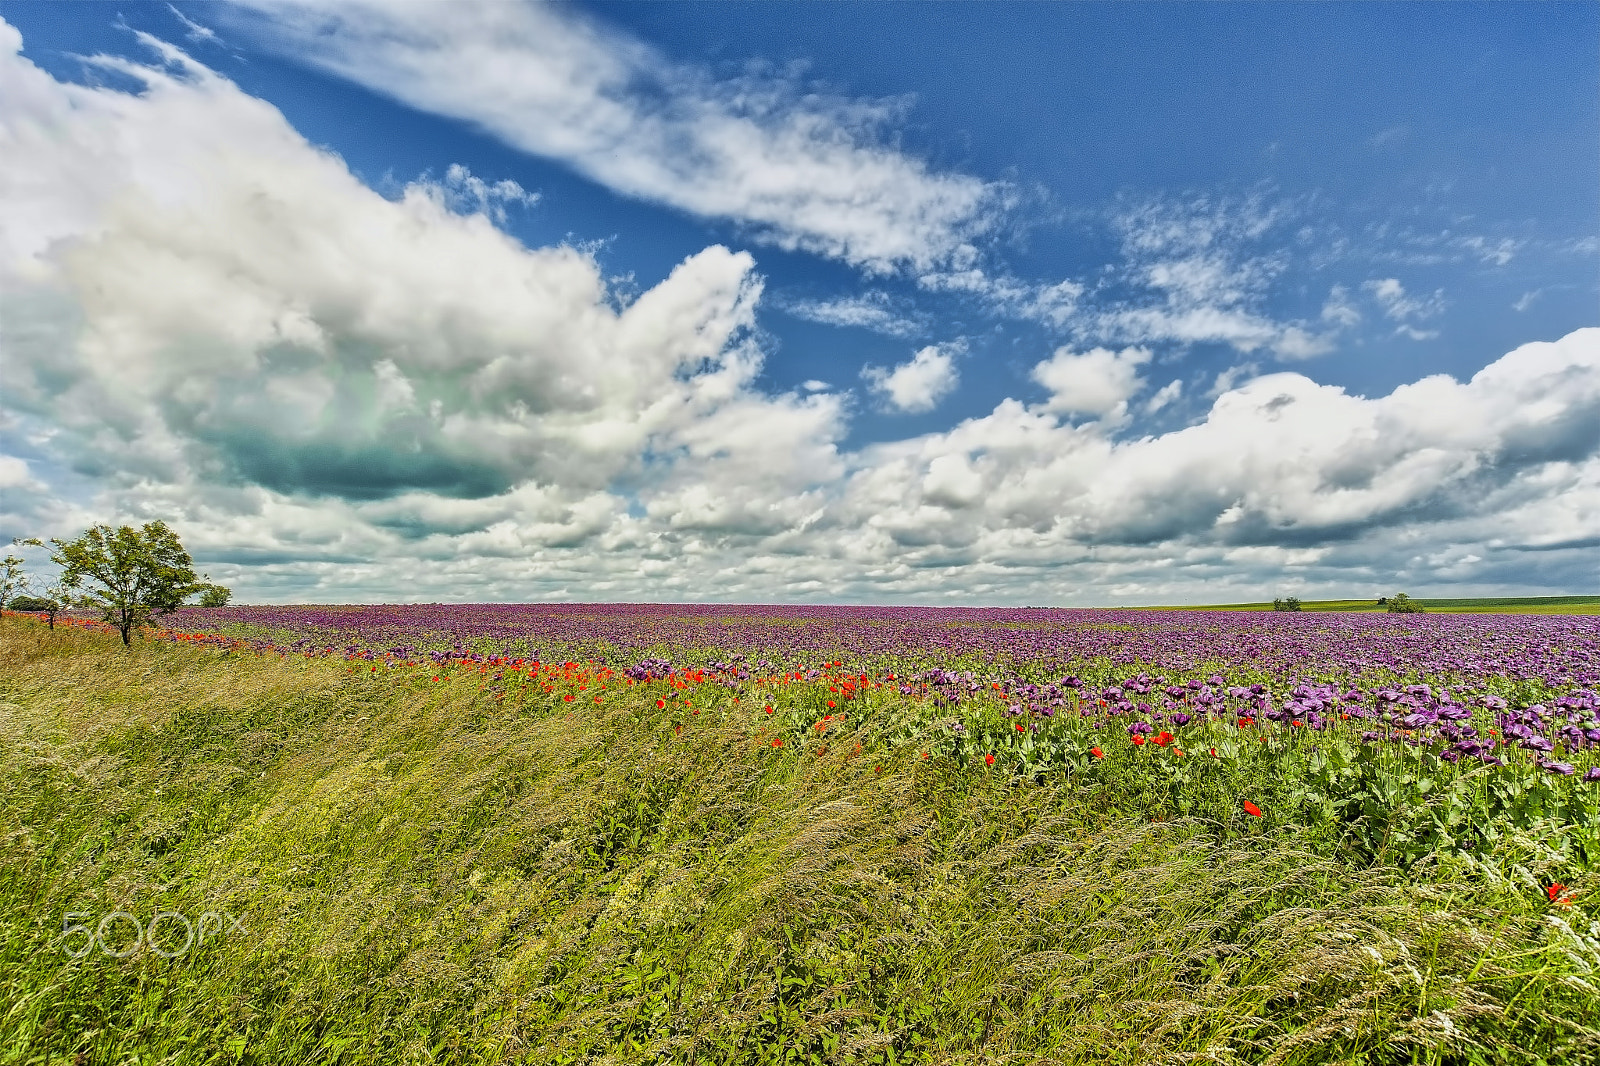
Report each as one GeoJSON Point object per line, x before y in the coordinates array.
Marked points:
{"type": "Point", "coordinates": [424, 874]}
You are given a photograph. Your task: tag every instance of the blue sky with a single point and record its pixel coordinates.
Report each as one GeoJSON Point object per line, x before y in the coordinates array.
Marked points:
{"type": "Point", "coordinates": [1077, 303]}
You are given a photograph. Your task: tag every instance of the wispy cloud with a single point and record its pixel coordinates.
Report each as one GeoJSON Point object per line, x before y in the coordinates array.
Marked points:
{"type": "Point", "coordinates": [1196, 271]}
{"type": "Point", "coordinates": [875, 311]}
{"type": "Point", "coordinates": [796, 166]}
{"type": "Point", "coordinates": [1404, 309]}
{"type": "Point", "coordinates": [1052, 303]}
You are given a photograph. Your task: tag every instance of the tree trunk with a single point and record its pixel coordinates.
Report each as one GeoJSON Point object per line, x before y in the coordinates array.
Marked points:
{"type": "Point", "coordinates": [126, 642]}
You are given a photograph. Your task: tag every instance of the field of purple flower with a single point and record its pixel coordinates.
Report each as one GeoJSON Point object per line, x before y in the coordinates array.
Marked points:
{"type": "Point", "coordinates": [1394, 737]}
{"type": "Point", "coordinates": [635, 833]}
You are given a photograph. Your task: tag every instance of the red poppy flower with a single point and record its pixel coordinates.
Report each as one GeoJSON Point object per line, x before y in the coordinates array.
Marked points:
{"type": "Point", "coordinates": [988, 760]}
{"type": "Point", "coordinates": [831, 703]}
{"type": "Point", "coordinates": [1137, 739]}
{"type": "Point", "coordinates": [1097, 753]}
{"type": "Point", "coordinates": [1021, 727]}
{"type": "Point", "coordinates": [769, 708]}
{"type": "Point", "coordinates": [1164, 739]}
{"type": "Point", "coordinates": [1557, 896]}
{"type": "Point", "coordinates": [777, 743]}
{"type": "Point", "coordinates": [661, 704]}
{"type": "Point", "coordinates": [567, 697]}
{"type": "Point", "coordinates": [1251, 809]}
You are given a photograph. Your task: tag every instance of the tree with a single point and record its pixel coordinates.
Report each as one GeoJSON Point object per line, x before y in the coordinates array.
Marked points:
{"type": "Point", "coordinates": [1400, 603]}
{"type": "Point", "coordinates": [215, 595]}
{"type": "Point", "coordinates": [1290, 604]}
{"type": "Point", "coordinates": [12, 580]}
{"type": "Point", "coordinates": [128, 575]}
{"type": "Point", "coordinates": [50, 600]}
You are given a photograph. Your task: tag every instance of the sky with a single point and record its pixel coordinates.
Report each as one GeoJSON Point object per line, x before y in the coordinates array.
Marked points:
{"type": "Point", "coordinates": [1043, 304]}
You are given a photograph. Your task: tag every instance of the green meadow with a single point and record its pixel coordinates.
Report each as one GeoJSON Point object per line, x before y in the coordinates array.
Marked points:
{"type": "Point", "coordinates": [1485, 605]}
{"type": "Point", "coordinates": [376, 869]}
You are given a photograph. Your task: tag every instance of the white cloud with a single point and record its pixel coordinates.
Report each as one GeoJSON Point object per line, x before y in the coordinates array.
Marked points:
{"type": "Point", "coordinates": [1339, 310]}
{"type": "Point", "coordinates": [801, 168]}
{"type": "Point", "coordinates": [1099, 382]}
{"type": "Point", "coordinates": [1165, 395]}
{"type": "Point", "coordinates": [198, 296]}
{"type": "Point", "coordinates": [197, 33]}
{"type": "Point", "coordinates": [333, 395]}
{"type": "Point", "coordinates": [1051, 303]}
{"type": "Point", "coordinates": [1195, 276]}
{"type": "Point", "coordinates": [1400, 307]}
{"type": "Point", "coordinates": [874, 311]}
{"type": "Point", "coordinates": [919, 384]}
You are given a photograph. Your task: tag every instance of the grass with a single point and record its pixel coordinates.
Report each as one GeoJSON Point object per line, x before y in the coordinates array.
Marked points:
{"type": "Point", "coordinates": [1482, 605]}
{"type": "Point", "coordinates": [423, 874]}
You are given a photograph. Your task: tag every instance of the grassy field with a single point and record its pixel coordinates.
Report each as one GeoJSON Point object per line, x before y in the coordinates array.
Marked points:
{"type": "Point", "coordinates": [385, 870]}
{"type": "Point", "coordinates": [1486, 605]}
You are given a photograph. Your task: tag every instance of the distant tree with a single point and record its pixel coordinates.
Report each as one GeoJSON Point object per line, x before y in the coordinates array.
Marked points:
{"type": "Point", "coordinates": [1400, 603]}
{"type": "Point", "coordinates": [215, 595]}
{"type": "Point", "coordinates": [49, 599]}
{"type": "Point", "coordinates": [1382, 600]}
{"type": "Point", "coordinates": [1290, 604]}
{"type": "Point", "coordinates": [13, 581]}
{"type": "Point", "coordinates": [128, 575]}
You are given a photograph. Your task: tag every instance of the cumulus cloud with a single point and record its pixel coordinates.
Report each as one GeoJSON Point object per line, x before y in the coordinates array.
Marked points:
{"type": "Point", "coordinates": [918, 384]}
{"type": "Point", "coordinates": [1099, 382]}
{"type": "Point", "coordinates": [195, 294]}
{"type": "Point", "coordinates": [800, 168]}
{"type": "Point", "coordinates": [334, 395]}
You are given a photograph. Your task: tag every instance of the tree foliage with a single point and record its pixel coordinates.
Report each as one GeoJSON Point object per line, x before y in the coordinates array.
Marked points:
{"type": "Point", "coordinates": [13, 582]}
{"type": "Point", "coordinates": [1290, 604]}
{"type": "Point", "coordinates": [128, 575]}
{"type": "Point", "coordinates": [1400, 603]}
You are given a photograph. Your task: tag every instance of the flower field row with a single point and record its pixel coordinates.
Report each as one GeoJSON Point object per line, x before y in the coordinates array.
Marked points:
{"type": "Point", "coordinates": [1397, 736]}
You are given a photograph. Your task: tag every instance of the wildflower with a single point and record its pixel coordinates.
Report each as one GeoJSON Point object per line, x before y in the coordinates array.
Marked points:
{"type": "Point", "coordinates": [777, 742]}
{"type": "Point", "coordinates": [1021, 728]}
{"type": "Point", "coordinates": [988, 760]}
{"type": "Point", "coordinates": [769, 708]}
{"type": "Point", "coordinates": [1137, 739]}
{"type": "Point", "coordinates": [831, 704]}
{"type": "Point", "coordinates": [1164, 739]}
{"type": "Point", "coordinates": [1213, 753]}
{"type": "Point", "coordinates": [1555, 890]}
{"type": "Point", "coordinates": [661, 705]}
{"type": "Point", "coordinates": [1251, 809]}
{"type": "Point", "coordinates": [1593, 774]}
{"type": "Point", "coordinates": [1097, 753]}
